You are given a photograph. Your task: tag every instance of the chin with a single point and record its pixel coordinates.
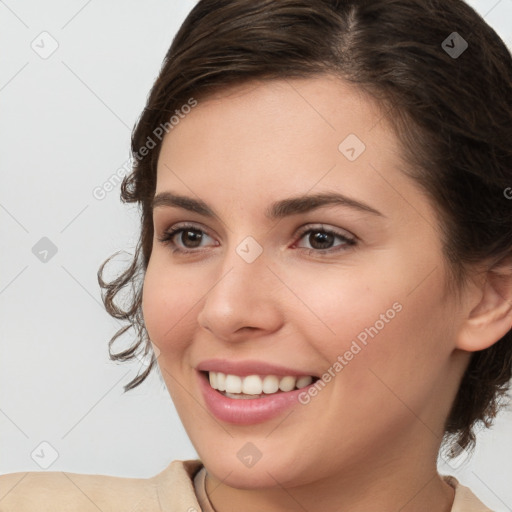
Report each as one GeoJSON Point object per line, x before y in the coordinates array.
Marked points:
{"type": "Point", "coordinates": [268, 472]}
{"type": "Point", "coordinates": [257, 477]}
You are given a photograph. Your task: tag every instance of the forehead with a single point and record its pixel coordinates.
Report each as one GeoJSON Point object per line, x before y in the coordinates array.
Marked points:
{"type": "Point", "coordinates": [278, 112]}
{"type": "Point", "coordinates": [272, 138]}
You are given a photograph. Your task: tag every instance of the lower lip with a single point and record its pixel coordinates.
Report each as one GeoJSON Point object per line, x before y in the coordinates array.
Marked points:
{"type": "Point", "coordinates": [250, 410]}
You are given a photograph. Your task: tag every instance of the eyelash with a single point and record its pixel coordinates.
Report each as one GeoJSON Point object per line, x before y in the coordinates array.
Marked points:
{"type": "Point", "coordinates": [168, 236]}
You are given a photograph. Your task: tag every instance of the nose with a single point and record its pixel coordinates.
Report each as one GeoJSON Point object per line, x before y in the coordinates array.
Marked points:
{"type": "Point", "coordinates": [242, 302]}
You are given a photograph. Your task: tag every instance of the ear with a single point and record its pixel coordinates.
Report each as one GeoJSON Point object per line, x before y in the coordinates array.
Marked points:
{"type": "Point", "coordinates": [490, 315]}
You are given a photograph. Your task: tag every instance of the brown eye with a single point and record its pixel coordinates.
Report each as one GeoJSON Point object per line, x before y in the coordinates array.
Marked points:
{"type": "Point", "coordinates": [185, 239]}
{"type": "Point", "coordinates": [322, 239]}
{"type": "Point", "coordinates": [190, 238]}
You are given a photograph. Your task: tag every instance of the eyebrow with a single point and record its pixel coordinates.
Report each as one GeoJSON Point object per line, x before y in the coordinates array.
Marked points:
{"type": "Point", "coordinates": [279, 209]}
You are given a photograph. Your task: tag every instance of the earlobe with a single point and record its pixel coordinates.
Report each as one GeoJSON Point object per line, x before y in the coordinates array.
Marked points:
{"type": "Point", "coordinates": [491, 318]}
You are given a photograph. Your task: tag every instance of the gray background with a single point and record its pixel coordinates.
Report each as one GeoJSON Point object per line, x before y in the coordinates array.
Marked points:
{"type": "Point", "coordinates": [65, 123]}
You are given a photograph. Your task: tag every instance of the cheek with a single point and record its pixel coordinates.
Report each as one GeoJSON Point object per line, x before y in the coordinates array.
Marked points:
{"type": "Point", "coordinates": [168, 307]}
{"type": "Point", "coordinates": [374, 321]}
{"type": "Point", "coordinates": [344, 305]}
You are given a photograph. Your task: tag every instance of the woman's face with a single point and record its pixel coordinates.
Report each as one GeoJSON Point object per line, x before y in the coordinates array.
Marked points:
{"type": "Point", "coordinates": [309, 254]}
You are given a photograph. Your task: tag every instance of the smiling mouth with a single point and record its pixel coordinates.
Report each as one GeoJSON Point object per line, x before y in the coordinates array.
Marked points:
{"type": "Point", "coordinates": [255, 386]}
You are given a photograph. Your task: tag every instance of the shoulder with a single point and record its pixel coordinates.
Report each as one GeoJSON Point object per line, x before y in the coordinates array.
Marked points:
{"type": "Point", "coordinates": [75, 492]}
{"type": "Point", "coordinates": [45, 491]}
{"type": "Point", "coordinates": [465, 500]}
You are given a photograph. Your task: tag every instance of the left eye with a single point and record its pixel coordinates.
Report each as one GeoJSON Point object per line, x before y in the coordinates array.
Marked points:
{"type": "Point", "coordinates": [321, 239]}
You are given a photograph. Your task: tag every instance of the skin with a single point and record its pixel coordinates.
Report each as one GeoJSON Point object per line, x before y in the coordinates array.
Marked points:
{"type": "Point", "coordinates": [369, 440]}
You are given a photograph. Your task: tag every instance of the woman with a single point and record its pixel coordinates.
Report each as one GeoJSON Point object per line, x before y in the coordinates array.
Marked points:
{"type": "Point", "coordinates": [324, 268]}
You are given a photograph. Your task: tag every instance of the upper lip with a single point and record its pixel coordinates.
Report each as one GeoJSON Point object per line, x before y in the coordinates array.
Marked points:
{"type": "Point", "coordinates": [244, 368]}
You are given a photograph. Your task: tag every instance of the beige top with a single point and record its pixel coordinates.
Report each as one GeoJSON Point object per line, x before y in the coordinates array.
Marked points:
{"type": "Point", "coordinates": [178, 488]}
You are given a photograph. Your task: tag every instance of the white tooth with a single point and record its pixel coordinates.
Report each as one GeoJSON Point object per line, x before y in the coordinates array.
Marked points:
{"type": "Point", "coordinates": [221, 381]}
{"type": "Point", "coordinates": [233, 384]}
{"type": "Point", "coordinates": [252, 385]}
{"type": "Point", "coordinates": [213, 380]}
{"type": "Point", "coordinates": [302, 382]}
{"type": "Point", "coordinates": [270, 384]}
{"type": "Point", "coordinates": [238, 396]}
{"type": "Point", "coordinates": [287, 383]}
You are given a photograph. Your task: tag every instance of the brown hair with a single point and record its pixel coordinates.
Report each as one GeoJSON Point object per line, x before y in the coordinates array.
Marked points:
{"type": "Point", "coordinates": [452, 114]}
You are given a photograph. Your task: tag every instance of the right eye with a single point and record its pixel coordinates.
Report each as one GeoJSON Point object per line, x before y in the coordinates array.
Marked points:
{"type": "Point", "coordinates": [184, 239]}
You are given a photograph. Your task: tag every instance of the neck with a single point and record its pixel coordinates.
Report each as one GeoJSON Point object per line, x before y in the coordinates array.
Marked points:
{"type": "Point", "coordinates": [400, 483]}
